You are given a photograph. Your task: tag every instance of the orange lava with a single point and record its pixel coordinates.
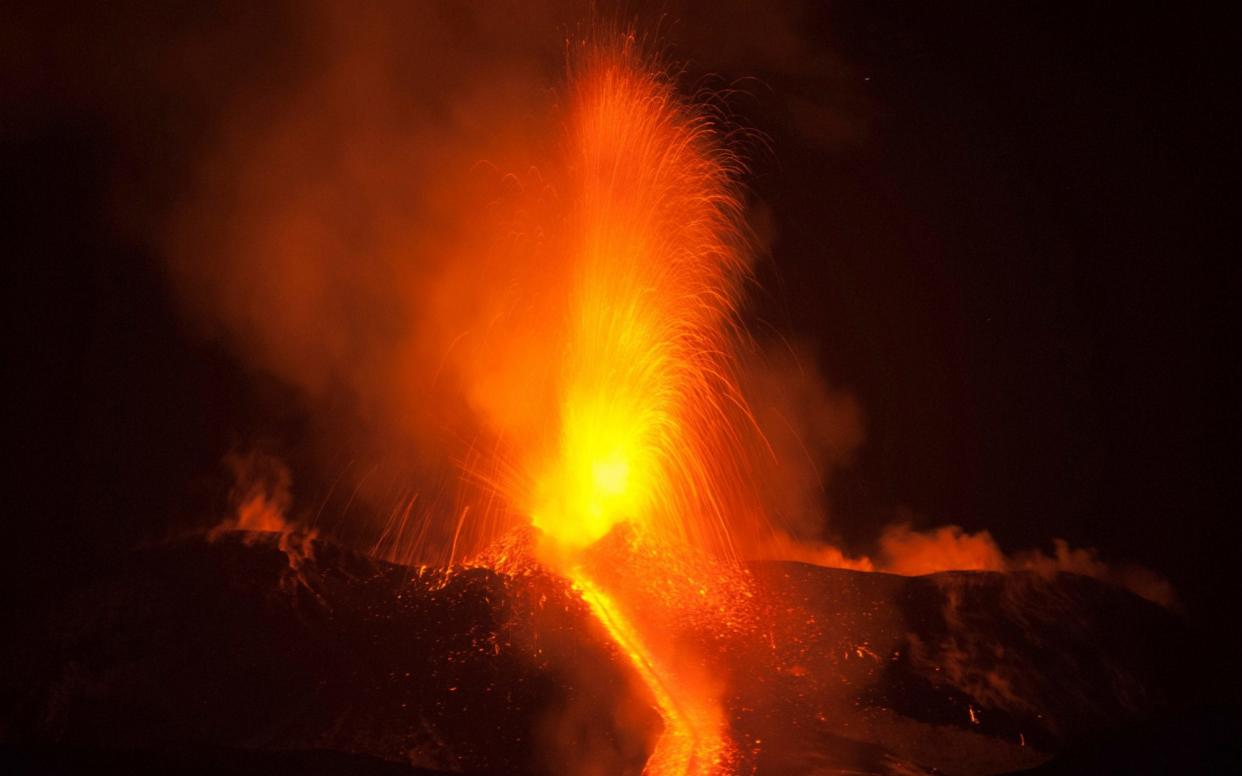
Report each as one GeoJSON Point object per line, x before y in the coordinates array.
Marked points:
{"type": "Point", "coordinates": [695, 739]}
{"type": "Point", "coordinates": [647, 415]}
{"type": "Point", "coordinates": [646, 406]}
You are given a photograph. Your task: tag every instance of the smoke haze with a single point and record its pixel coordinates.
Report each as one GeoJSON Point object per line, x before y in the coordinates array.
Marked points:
{"type": "Point", "coordinates": [353, 200]}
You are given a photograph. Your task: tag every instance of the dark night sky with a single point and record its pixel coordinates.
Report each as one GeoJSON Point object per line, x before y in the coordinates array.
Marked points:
{"type": "Point", "coordinates": [1003, 234]}
{"type": "Point", "coordinates": [1013, 269]}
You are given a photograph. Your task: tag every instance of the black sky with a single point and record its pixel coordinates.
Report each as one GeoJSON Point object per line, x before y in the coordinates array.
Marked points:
{"type": "Point", "coordinates": [1001, 225]}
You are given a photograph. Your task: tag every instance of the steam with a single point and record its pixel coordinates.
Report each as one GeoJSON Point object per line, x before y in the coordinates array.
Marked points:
{"type": "Point", "coordinates": [260, 496]}
{"type": "Point", "coordinates": [360, 231]}
{"type": "Point", "coordinates": [811, 430]}
{"type": "Point", "coordinates": [358, 211]}
{"type": "Point", "coordinates": [372, 224]}
{"type": "Point", "coordinates": [909, 552]}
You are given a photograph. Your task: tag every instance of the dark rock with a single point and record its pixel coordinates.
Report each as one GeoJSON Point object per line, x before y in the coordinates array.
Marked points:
{"type": "Point", "coordinates": [283, 654]}
{"type": "Point", "coordinates": [241, 644]}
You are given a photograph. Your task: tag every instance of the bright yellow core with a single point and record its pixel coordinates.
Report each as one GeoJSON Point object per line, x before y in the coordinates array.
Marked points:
{"type": "Point", "coordinates": [597, 479]}
{"type": "Point", "coordinates": [610, 476]}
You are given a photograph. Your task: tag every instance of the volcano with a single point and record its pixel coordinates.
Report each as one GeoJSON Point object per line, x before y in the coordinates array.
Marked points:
{"type": "Point", "coordinates": [588, 388]}
{"type": "Point", "coordinates": [267, 653]}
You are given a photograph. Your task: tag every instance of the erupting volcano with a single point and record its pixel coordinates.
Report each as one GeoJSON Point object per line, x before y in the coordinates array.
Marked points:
{"type": "Point", "coordinates": [571, 517]}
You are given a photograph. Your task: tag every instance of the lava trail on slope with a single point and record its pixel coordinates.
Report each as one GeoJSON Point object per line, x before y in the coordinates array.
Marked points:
{"type": "Point", "coordinates": [250, 644]}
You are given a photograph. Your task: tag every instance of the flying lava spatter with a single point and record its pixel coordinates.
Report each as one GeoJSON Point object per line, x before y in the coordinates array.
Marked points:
{"type": "Point", "coordinates": [624, 438]}
{"type": "Point", "coordinates": [648, 406]}
{"type": "Point", "coordinates": [650, 420]}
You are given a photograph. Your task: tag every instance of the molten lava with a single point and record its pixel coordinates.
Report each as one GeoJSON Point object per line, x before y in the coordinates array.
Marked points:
{"type": "Point", "coordinates": [648, 417]}
{"type": "Point", "coordinates": [694, 738]}
{"type": "Point", "coordinates": [646, 400]}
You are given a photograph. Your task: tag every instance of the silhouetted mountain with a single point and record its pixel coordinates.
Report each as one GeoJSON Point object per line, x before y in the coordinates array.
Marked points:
{"type": "Point", "coordinates": [271, 653]}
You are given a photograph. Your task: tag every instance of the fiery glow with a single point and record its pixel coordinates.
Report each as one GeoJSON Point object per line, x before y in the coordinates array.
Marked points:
{"type": "Point", "coordinates": [647, 410]}
{"type": "Point", "coordinates": [694, 739]}
{"type": "Point", "coordinates": [260, 495]}
{"type": "Point", "coordinates": [556, 347]}
{"type": "Point", "coordinates": [647, 404]}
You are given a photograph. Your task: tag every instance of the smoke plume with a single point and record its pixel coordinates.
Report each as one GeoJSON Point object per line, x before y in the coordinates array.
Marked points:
{"type": "Point", "coordinates": [355, 200]}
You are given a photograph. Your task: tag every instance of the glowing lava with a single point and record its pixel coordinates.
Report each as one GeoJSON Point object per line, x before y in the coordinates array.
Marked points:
{"type": "Point", "coordinates": [694, 740]}
{"type": "Point", "coordinates": [649, 417]}
{"type": "Point", "coordinates": [647, 403]}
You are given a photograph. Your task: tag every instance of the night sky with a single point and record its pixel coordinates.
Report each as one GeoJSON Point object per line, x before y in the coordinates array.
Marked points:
{"type": "Point", "coordinates": [1000, 226]}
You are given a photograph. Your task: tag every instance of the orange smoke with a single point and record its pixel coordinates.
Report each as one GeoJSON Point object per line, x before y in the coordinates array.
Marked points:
{"type": "Point", "coordinates": [260, 494]}
{"type": "Point", "coordinates": [261, 497]}
{"type": "Point", "coordinates": [354, 231]}
{"type": "Point", "coordinates": [527, 315]}
{"type": "Point", "coordinates": [499, 313]}
{"type": "Point", "coordinates": [903, 550]}
{"type": "Point", "coordinates": [424, 243]}
{"type": "Point", "coordinates": [947, 548]}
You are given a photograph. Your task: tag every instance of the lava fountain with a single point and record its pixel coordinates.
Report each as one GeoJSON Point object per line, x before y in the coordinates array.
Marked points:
{"type": "Point", "coordinates": [634, 488]}
{"type": "Point", "coordinates": [646, 402]}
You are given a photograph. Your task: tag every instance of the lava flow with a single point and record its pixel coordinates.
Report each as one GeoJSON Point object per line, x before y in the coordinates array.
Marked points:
{"type": "Point", "coordinates": [648, 421]}
{"type": "Point", "coordinates": [694, 739]}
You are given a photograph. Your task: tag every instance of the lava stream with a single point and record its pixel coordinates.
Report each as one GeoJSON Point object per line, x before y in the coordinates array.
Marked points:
{"type": "Point", "coordinates": [693, 742]}
{"type": "Point", "coordinates": [623, 415]}
{"type": "Point", "coordinates": [646, 433]}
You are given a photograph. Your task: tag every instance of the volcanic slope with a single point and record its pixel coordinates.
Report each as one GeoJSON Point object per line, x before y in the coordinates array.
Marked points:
{"type": "Point", "coordinates": [266, 645]}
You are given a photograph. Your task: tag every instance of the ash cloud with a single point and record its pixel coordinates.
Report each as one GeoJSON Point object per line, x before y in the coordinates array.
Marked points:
{"type": "Point", "coordinates": [261, 494]}
{"type": "Point", "coordinates": [365, 218]}
{"type": "Point", "coordinates": [340, 224]}
{"type": "Point", "coordinates": [343, 195]}
{"type": "Point", "coordinates": [353, 198]}
{"type": "Point", "coordinates": [902, 549]}
{"type": "Point", "coordinates": [327, 183]}
{"type": "Point", "coordinates": [810, 431]}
